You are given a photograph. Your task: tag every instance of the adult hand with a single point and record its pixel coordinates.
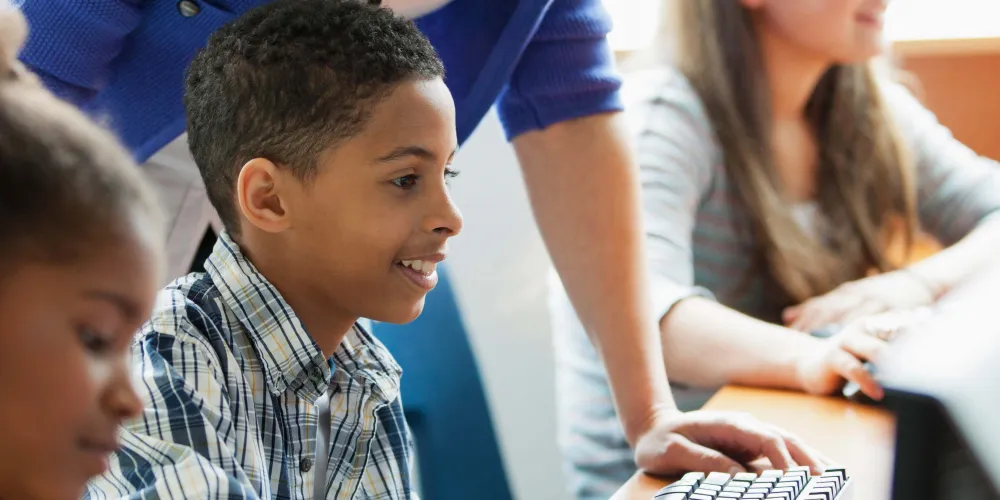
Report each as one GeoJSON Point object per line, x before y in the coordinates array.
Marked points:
{"type": "Point", "coordinates": [709, 441]}
{"type": "Point", "coordinates": [892, 291]}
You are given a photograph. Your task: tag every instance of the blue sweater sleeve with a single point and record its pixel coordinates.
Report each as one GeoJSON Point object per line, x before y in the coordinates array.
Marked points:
{"type": "Point", "coordinates": [71, 43]}
{"type": "Point", "coordinates": [567, 70]}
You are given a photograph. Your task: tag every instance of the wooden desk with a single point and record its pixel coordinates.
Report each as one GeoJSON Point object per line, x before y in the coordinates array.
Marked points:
{"type": "Point", "coordinates": [858, 437]}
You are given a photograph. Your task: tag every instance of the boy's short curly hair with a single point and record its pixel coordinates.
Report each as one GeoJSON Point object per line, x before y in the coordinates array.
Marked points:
{"type": "Point", "coordinates": [290, 80]}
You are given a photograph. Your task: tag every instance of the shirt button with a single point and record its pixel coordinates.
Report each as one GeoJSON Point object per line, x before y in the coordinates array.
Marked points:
{"type": "Point", "coordinates": [188, 8]}
{"type": "Point", "coordinates": [306, 464]}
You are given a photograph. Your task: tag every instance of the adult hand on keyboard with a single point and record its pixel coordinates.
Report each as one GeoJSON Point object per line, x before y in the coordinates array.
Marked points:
{"type": "Point", "coordinates": [893, 291]}
{"type": "Point", "coordinates": [718, 441]}
{"type": "Point", "coordinates": [841, 357]}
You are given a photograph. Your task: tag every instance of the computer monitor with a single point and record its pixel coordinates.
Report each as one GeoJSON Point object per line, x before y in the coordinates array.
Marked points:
{"type": "Point", "coordinates": [943, 383]}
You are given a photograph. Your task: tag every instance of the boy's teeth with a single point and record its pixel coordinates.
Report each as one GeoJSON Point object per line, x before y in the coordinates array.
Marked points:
{"type": "Point", "coordinates": [421, 266]}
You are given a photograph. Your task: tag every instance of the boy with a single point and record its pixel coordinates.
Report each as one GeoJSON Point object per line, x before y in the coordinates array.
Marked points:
{"type": "Point", "coordinates": [323, 131]}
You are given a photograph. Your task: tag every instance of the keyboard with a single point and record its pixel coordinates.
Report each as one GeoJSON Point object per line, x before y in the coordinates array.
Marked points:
{"type": "Point", "coordinates": [794, 484]}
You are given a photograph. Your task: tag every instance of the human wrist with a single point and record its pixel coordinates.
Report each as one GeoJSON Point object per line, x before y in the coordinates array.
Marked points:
{"type": "Point", "coordinates": [935, 288]}
{"type": "Point", "coordinates": [656, 417]}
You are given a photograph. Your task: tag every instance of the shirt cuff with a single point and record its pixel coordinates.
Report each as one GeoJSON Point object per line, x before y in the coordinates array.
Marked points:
{"type": "Point", "coordinates": [666, 294]}
{"type": "Point", "coordinates": [519, 116]}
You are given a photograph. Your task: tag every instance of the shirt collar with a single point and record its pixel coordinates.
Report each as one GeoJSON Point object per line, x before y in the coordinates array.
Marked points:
{"type": "Point", "coordinates": [290, 357]}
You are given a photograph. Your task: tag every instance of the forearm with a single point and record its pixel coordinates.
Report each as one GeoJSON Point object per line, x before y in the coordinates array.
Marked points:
{"type": "Point", "coordinates": [706, 344]}
{"type": "Point", "coordinates": [584, 190]}
{"type": "Point", "coordinates": [957, 263]}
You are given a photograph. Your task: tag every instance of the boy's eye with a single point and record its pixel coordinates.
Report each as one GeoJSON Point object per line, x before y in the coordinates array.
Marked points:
{"type": "Point", "coordinates": [406, 182]}
{"type": "Point", "coordinates": [449, 174]}
{"type": "Point", "coordinates": [93, 341]}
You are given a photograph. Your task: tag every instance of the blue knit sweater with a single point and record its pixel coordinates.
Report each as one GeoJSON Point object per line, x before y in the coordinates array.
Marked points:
{"type": "Point", "coordinates": [541, 61]}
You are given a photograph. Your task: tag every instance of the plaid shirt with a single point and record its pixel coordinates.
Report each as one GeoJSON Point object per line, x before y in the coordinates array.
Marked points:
{"type": "Point", "coordinates": [230, 380]}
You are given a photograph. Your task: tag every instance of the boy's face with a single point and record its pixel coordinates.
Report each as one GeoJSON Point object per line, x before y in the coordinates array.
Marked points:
{"type": "Point", "coordinates": [64, 366]}
{"type": "Point", "coordinates": [369, 230]}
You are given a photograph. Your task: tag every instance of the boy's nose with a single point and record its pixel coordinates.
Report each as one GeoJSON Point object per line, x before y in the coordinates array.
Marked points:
{"type": "Point", "coordinates": [446, 220]}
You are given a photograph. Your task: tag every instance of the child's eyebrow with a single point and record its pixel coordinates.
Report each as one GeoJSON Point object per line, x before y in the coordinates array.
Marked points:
{"type": "Point", "coordinates": [405, 151]}
{"type": "Point", "coordinates": [128, 308]}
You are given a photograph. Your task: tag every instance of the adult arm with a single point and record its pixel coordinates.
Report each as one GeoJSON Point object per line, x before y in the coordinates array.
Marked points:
{"type": "Point", "coordinates": [72, 43]}
{"type": "Point", "coordinates": [561, 108]}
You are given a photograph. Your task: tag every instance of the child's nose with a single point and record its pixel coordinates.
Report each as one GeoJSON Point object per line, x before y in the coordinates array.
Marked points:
{"type": "Point", "coordinates": [120, 399]}
{"type": "Point", "coordinates": [445, 220]}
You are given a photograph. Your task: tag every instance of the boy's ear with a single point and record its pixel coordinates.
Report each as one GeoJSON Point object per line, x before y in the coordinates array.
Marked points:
{"type": "Point", "coordinates": [258, 190]}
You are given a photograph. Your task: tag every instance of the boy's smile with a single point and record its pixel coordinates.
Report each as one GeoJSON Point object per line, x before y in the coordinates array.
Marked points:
{"type": "Point", "coordinates": [421, 270]}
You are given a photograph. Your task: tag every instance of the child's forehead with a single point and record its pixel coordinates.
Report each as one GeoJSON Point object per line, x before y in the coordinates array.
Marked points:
{"type": "Point", "coordinates": [414, 112]}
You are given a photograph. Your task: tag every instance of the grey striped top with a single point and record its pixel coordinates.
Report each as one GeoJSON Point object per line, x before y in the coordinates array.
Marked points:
{"type": "Point", "coordinates": [692, 233]}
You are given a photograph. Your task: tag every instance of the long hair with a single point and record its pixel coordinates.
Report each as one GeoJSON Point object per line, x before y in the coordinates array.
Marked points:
{"type": "Point", "coordinates": [865, 187]}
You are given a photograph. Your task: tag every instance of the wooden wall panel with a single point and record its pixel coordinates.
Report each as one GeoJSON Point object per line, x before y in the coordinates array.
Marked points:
{"type": "Point", "coordinates": [964, 92]}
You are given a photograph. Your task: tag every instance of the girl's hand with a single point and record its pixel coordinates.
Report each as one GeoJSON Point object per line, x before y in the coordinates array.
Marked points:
{"type": "Point", "coordinates": [897, 290]}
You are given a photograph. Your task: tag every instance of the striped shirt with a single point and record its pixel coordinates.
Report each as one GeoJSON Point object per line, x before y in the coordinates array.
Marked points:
{"type": "Point", "coordinates": [230, 379]}
{"type": "Point", "coordinates": [696, 246]}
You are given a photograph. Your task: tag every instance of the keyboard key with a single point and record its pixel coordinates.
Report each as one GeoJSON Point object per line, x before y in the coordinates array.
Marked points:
{"type": "Point", "coordinates": [679, 488]}
{"type": "Point", "coordinates": [824, 490]}
{"type": "Point", "coordinates": [771, 473]}
{"type": "Point", "coordinates": [754, 496]}
{"type": "Point", "coordinates": [671, 496]}
{"type": "Point", "coordinates": [839, 471]}
{"type": "Point", "coordinates": [729, 494]}
{"type": "Point", "coordinates": [762, 491]}
{"type": "Point", "coordinates": [745, 484]}
{"type": "Point", "coordinates": [794, 483]}
{"type": "Point", "coordinates": [781, 494]}
{"type": "Point", "coordinates": [697, 477]}
{"type": "Point", "coordinates": [700, 497]}
{"type": "Point", "coordinates": [788, 492]}
{"type": "Point", "coordinates": [799, 471]}
{"type": "Point", "coordinates": [745, 476]}
{"type": "Point", "coordinates": [831, 480]}
{"type": "Point", "coordinates": [767, 480]}
{"type": "Point", "coordinates": [734, 489]}
{"type": "Point", "coordinates": [707, 493]}
{"type": "Point", "coordinates": [719, 478]}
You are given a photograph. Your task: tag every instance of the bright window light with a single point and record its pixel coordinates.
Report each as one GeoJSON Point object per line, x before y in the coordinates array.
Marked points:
{"type": "Point", "coordinates": [636, 22]}
{"type": "Point", "coordinates": [942, 19]}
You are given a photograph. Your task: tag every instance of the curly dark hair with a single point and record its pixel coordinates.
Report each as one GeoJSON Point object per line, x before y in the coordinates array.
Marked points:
{"type": "Point", "coordinates": [291, 79]}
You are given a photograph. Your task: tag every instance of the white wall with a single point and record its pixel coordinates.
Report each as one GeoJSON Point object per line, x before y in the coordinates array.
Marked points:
{"type": "Point", "coordinates": [499, 267]}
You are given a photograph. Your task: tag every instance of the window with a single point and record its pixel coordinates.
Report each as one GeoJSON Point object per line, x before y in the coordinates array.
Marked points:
{"type": "Point", "coordinates": [636, 23]}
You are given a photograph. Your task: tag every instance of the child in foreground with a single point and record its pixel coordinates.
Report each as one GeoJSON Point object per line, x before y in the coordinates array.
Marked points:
{"type": "Point", "coordinates": [324, 133]}
{"type": "Point", "coordinates": [79, 264]}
